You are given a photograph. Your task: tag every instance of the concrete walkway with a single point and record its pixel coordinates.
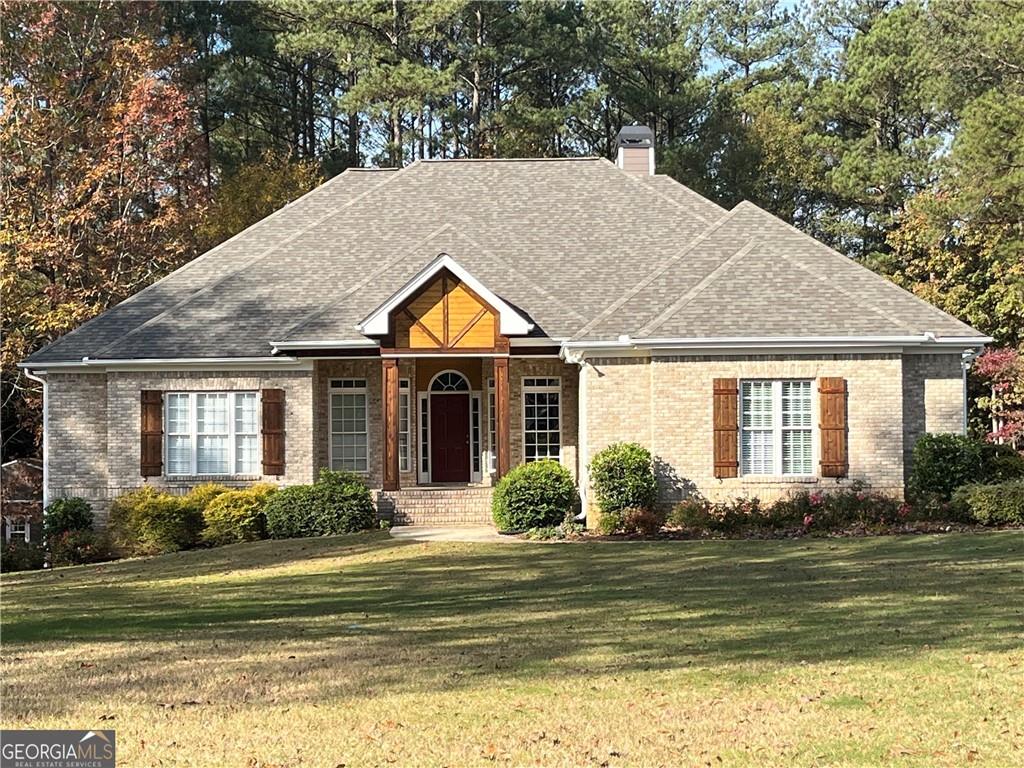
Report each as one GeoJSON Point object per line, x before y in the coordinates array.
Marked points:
{"type": "Point", "coordinates": [476, 533]}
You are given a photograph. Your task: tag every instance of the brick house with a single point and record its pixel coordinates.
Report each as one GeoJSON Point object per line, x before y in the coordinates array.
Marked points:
{"type": "Point", "coordinates": [21, 500]}
{"type": "Point", "coordinates": [433, 326]}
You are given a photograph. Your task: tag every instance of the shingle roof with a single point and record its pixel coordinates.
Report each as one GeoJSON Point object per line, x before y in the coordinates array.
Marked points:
{"type": "Point", "coordinates": [582, 249]}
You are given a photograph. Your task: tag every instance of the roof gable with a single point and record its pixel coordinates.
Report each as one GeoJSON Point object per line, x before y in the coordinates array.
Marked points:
{"type": "Point", "coordinates": [378, 322]}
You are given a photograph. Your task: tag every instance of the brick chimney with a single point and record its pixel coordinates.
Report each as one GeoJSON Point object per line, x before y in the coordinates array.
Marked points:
{"type": "Point", "coordinates": [636, 150]}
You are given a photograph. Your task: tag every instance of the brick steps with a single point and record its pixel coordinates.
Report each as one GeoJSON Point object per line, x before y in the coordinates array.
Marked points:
{"type": "Point", "coordinates": [436, 506]}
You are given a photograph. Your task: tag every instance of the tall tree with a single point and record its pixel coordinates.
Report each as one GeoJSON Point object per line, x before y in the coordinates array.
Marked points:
{"type": "Point", "coordinates": [102, 172]}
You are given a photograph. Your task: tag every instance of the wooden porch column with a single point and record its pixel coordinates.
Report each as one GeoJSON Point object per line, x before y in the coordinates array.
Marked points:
{"type": "Point", "coordinates": [501, 419]}
{"type": "Point", "coordinates": [390, 422]}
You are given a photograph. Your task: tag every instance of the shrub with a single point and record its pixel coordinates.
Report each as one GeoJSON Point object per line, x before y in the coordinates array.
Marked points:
{"type": "Point", "coordinates": [693, 513]}
{"type": "Point", "coordinates": [1002, 463]}
{"type": "Point", "coordinates": [643, 521]}
{"type": "Point", "coordinates": [992, 504]}
{"type": "Point", "coordinates": [150, 521]}
{"type": "Point", "coordinates": [943, 463]}
{"type": "Point", "coordinates": [18, 555]}
{"type": "Point", "coordinates": [533, 495]}
{"type": "Point", "coordinates": [845, 508]}
{"type": "Point", "coordinates": [622, 476]}
{"type": "Point", "coordinates": [611, 522]}
{"type": "Point", "coordinates": [338, 502]}
{"type": "Point", "coordinates": [234, 516]}
{"type": "Point", "coordinates": [79, 547]}
{"type": "Point", "coordinates": [63, 515]}
{"type": "Point", "coordinates": [201, 496]}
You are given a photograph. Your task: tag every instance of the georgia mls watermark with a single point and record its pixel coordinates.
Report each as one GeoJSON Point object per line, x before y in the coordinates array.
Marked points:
{"type": "Point", "coordinates": [57, 749]}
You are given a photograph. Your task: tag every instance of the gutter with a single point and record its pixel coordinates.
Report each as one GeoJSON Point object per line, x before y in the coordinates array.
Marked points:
{"type": "Point", "coordinates": [741, 343]}
{"type": "Point", "coordinates": [967, 357]}
{"type": "Point", "coordinates": [89, 362]}
{"type": "Point", "coordinates": [46, 438]}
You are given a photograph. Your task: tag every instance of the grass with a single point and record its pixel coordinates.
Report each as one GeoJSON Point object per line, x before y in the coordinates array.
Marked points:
{"type": "Point", "coordinates": [365, 651]}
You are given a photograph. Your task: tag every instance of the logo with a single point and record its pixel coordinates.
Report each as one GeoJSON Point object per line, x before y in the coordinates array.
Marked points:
{"type": "Point", "coordinates": [57, 749]}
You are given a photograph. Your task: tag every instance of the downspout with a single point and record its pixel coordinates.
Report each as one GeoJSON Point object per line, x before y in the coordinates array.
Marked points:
{"type": "Point", "coordinates": [46, 438]}
{"type": "Point", "coordinates": [576, 357]}
{"type": "Point", "coordinates": [966, 358]}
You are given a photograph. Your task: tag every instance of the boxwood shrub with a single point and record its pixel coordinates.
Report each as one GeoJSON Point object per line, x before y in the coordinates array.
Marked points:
{"type": "Point", "coordinates": [992, 504]}
{"type": "Point", "coordinates": [338, 502]}
{"type": "Point", "coordinates": [533, 495]}
{"type": "Point", "coordinates": [150, 521]}
{"type": "Point", "coordinates": [238, 515]}
{"type": "Point", "coordinates": [622, 476]}
{"type": "Point", "coordinates": [74, 514]}
{"type": "Point", "coordinates": [942, 463]}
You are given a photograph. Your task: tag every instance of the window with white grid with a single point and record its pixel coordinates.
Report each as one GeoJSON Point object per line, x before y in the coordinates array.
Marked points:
{"type": "Point", "coordinates": [212, 433]}
{"type": "Point", "coordinates": [349, 437]}
{"type": "Point", "coordinates": [797, 434]}
{"type": "Point", "coordinates": [542, 419]}
{"type": "Point", "coordinates": [776, 430]}
{"type": "Point", "coordinates": [403, 425]}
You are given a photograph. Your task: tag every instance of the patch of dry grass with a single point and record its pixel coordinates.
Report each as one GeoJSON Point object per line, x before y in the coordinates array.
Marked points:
{"type": "Point", "coordinates": [365, 651]}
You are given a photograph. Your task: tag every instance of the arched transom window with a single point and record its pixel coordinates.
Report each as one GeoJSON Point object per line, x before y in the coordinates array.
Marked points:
{"type": "Point", "coordinates": [449, 381]}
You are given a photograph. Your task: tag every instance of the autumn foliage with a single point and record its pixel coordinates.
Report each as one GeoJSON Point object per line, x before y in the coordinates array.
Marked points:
{"type": "Point", "coordinates": [101, 170]}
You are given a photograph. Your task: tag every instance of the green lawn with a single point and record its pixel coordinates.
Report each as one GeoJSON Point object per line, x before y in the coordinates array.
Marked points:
{"type": "Point", "coordinates": [364, 651]}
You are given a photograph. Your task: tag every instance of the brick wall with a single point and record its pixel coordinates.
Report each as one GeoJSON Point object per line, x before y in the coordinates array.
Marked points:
{"type": "Point", "coordinates": [666, 404]}
{"type": "Point", "coordinates": [520, 368]}
{"type": "Point", "coordinates": [932, 398]}
{"type": "Point", "coordinates": [94, 429]}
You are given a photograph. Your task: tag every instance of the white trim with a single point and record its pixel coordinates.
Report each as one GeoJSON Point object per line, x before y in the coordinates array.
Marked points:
{"type": "Point", "coordinates": [8, 533]}
{"type": "Point", "coordinates": [423, 417]}
{"type": "Point", "coordinates": [193, 432]}
{"type": "Point", "coordinates": [511, 322]}
{"type": "Point", "coordinates": [522, 411]}
{"type": "Point", "coordinates": [365, 392]}
{"type": "Point", "coordinates": [46, 438]}
{"type": "Point", "coordinates": [534, 341]}
{"type": "Point", "coordinates": [324, 344]}
{"type": "Point", "coordinates": [184, 363]}
{"type": "Point", "coordinates": [407, 391]}
{"type": "Point", "coordinates": [476, 475]}
{"type": "Point", "coordinates": [777, 429]}
{"type": "Point", "coordinates": [926, 342]}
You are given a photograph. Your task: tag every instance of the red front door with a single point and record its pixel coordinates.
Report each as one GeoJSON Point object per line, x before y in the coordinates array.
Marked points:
{"type": "Point", "coordinates": [449, 438]}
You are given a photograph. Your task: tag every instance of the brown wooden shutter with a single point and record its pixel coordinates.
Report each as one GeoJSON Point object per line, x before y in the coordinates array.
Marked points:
{"type": "Point", "coordinates": [273, 431]}
{"type": "Point", "coordinates": [725, 421]}
{"type": "Point", "coordinates": [834, 461]}
{"type": "Point", "coordinates": [152, 433]}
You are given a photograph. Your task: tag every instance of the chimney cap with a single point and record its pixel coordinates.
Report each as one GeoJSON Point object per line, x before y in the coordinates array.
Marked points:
{"type": "Point", "coordinates": [636, 136]}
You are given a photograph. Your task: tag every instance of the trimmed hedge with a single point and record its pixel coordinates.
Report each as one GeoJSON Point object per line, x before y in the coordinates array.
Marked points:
{"type": "Point", "coordinates": [338, 502]}
{"type": "Point", "coordinates": [993, 504]}
{"type": "Point", "coordinates": [74, 514]}
{"type": "Point", "coordinates": [148, 521]}
{"type": "Point", "coordinates": [533, 495]}
{"type": "Point", "coordinates": [622, 476]}
{"type": "Point", "coordinates": [235, 516]}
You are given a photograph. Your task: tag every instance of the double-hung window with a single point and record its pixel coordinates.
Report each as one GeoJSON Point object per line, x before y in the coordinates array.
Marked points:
{"type": "Point", "coordinates": [17, 528]}
{"type": "Point", "coordinates": [212, 433]}
{"type": "Point", "coordinates": [349, 420]}
{"type": "Point", "coordinates": [542, 418]}
{"type": "Point", "coordinates": [776, 431]}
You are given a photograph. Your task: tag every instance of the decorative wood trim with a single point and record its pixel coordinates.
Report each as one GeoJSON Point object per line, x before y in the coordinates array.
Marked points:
{"type": "Point", "coordinates": [272, 428]}
{"type": "Point", "coordinates": [469, 326]}
{"type": "Point", "coordinates": [389, 371]}
{"type": "Point", "coordinates": [832, 424]}
{"type": "Point", "coordinates": [152, 433]}
{"type": "Point", "coordinates": [725, 401]}
{"type": "Point", "coordinates": [501, 420]}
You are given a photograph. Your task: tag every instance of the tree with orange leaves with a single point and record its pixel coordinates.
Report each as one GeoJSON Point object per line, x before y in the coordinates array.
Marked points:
{"type": "Point", "coordinates": [101, 173]}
